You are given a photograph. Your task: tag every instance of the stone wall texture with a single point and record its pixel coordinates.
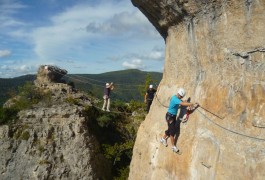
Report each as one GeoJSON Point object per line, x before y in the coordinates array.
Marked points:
{"type": "Point", "coordinates": [215, 49]}
{"type": "Point", "coordinates": [53, 139]}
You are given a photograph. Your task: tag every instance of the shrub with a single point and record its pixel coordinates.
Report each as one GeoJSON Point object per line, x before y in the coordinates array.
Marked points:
{"type": "Point", "coordinates": [120, 106]}
{"type": "Point", "coordinates": [41, 148]}
{"type": "Point", "coordinates": [123, 173]}
{"type": "Point", "coordinates": [136, 105]}
{"type": "Point", "coordinates": [27, 96]}
{"type": "Point", "coordinates": [30, 94]}
{"type": "Point", "coordinates": [104, 121]}
{"type": "Point", "coordinates": [119, 154]}
{"type": "Point", "coordinates": [25, 136]}
{"type": "Point", "coordinates": [7, 115]}
{"type": "Point", "coordinates": [71, 100]}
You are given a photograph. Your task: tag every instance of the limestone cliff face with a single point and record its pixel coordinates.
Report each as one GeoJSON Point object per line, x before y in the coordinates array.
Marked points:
{"type": "Point", "coordinates": [215, 49]}
{"type": "Point", "coordinates": [52, 140]}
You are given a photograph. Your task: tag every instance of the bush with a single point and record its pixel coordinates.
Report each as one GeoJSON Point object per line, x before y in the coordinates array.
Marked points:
{"type": "Point", "coordinates": [29, 95]}
{"type": "Point", "coordinates": [116, 133]}
{"type": "Point", "coordinates": [71, 100]}
{"type": "Point", "coordinates": [120, 106]}
{"type": "Point", "coordinates": [8, 115]}
{"type": "Point", "coordinates": [104, 121]}
{"type": "Point", "coordinates": [116, 151]}
{"type": "Point", "coordinates": [136, 105]}
{"type": "Point", "coordinates": [25, 135]}
{"type": "Point", "coordinates": [123, 173]}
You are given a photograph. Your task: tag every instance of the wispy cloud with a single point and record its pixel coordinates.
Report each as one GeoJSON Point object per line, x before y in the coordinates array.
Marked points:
{"type": "Point", "coordinates": [124, 24]}
{"type": "Point", "coordinates": [5, 53]}
{"type": "Point", "coordinates": [155, 54]}
{"type": "Point", "coordinates": [84, 23]}
{"type": "Point", "coordinates": [11, 70]}
{"type": "Point", "coordinates": [134, 64]}
{"type": "Point", "coordinates": [8, 8]}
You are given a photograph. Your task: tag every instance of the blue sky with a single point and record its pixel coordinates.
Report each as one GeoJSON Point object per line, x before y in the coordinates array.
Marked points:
{"type": "Point", "coordinates": [81, 36]}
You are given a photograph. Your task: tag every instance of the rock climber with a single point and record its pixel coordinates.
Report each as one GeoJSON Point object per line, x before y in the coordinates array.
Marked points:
{"type": "Point", "coordinates": [172, 123]}
{"type": "Point", "coordinates": [109, 87]}
{"type": "Point", "coordinates": [149, 96]}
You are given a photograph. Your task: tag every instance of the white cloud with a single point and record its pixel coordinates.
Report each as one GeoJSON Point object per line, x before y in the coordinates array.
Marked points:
{"type": "Point", "coordinates": [5, 53]}
{"type": "Point", "coordinates": [156, 54]}
{"type": "Point", "coordinates": [134, 64]}
{"type": "Point", "coordinates": [124, 23]}
{"type": "Point", "coordinates": [5, 67]}
{"type": "Point", "coordinates": [79, 36]}
{"type": "Point", "coordinates": [78, 26]}
{"type": "Point", "coordinates": [7, 9]}
{"type": "Point", "coordinates": [18, 69]}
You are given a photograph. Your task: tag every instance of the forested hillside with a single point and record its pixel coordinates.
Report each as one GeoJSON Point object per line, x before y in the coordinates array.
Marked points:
{"type": "Point", "coordinates": [129, 84]}
{"type": "Point", "coordinates": [9, 86]}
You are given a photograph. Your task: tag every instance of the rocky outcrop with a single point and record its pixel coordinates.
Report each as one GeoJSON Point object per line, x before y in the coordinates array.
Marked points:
{"type": "Point", "coordinates": [215, 49]}
{"type": "Point", "coordinates": [47, 74]}
{"type": "Point", "coordinates": [52, 140]}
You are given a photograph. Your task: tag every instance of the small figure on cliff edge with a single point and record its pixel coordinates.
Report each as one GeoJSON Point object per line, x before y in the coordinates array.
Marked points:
{"type": "Point", "coordinates": [149, 96]}
{"type": "Point", "coordinates": [109, 87]}
{"type": "Point", "coordinates": [172, 123]}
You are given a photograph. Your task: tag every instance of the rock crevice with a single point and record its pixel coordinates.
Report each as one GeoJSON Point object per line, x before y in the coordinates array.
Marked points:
{"type": "Point", "coordinates": [215, 50]}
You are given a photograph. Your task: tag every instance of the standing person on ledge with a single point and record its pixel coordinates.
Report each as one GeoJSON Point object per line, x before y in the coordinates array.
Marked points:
{"type": "Point", "coordinates": [149, 96]}
{"type": "Point", "coordinates": [171, 118]}
{"type": "Point", "coordinates": [106, 97]}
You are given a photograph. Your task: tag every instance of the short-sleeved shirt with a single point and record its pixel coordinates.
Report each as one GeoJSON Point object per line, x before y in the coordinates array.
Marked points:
{"type": "Point", "coordinates": [174, 105]}
{"type": "Point", "coordinates": [107, 91]}
{"type": "Point", "coordinates": [150, 94]}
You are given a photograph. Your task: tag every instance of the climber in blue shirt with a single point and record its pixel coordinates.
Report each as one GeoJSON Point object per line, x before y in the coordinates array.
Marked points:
{"type": "Point", "coordinates": [171, 114]}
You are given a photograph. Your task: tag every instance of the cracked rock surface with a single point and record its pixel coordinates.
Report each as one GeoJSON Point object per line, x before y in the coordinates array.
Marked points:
{"type": "Point", "coordinates": [52, 141]}
{"type": "Point", "coordinates": [215, 50]}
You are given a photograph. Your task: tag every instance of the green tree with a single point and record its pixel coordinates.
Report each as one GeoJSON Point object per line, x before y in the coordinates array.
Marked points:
{"type": "Point", "coordinates": [148, 80]}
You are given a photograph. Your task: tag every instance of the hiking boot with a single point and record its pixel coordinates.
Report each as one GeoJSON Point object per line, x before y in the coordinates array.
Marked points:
{"type": "Point", "coordinates": [175, 150]}
{"type": "Point", "coordinates": [103, 109]}
{"type": "Point", "coordinates": [163, 141]}
{"type": "Point", "coordinates": [108, 110]}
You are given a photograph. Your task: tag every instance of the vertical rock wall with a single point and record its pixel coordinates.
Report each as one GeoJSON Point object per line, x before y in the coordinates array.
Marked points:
{"type": "Point", "coordinates": [216, 50]}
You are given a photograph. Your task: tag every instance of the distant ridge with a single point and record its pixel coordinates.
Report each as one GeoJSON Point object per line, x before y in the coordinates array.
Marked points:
{"type": "Point", "coordinates": [126, 83]}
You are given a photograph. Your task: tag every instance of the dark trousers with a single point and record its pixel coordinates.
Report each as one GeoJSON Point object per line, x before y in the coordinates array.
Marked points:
{"type": "Point", "coordinates": [173, 126]}
{"type": "Point", "coordinates": [149, 102]}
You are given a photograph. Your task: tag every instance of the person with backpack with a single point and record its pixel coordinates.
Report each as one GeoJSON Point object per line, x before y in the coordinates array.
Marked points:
{"type": "Point", "coordinates": [109, 87]}
{"type": "Point", "coordinates": [171, 114]}
{"type": "Point", "coordinates": [149, 96]}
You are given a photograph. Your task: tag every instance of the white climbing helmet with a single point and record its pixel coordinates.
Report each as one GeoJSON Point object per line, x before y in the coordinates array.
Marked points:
{"type": "Point", "coordinates": [181, 92]}
{"type": "Point", "coordinates": [150, 86]}
{"type": "Point", "coordinates": [107, 84]}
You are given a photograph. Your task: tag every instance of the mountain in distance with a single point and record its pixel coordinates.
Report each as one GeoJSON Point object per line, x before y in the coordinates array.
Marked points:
{"type": "Point", "coordinates": [128, 84]}
{"type": "Point", "coordinates": [10, 85]}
